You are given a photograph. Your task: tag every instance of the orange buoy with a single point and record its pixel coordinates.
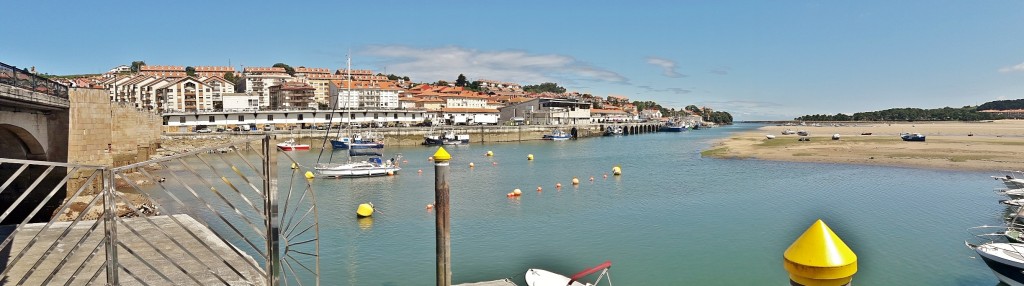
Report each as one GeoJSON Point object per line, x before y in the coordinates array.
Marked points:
{"type": "Point", "coordinates": [558, 185]}
{"type": "Point", "coordinates": [517, 192]}
{"type": "Point", "coordinates": [390, 173]}
{"type": "Point", "coordinates": [419, 171]}
{"type": "Point", "coordinates": [591, 178]}
{"type": "Point", "coordinates": [430, 206]}
{"type": "Point", "coordinates": [494, 163]}
{"type": "Point", "coordinates": [471, 165]}
{"type": "Point", "coordinates": [405, 161]}
{"type": "Point", "coordinates": [539, 188]}
{"type": "Point", "coordinates": [431, 158]}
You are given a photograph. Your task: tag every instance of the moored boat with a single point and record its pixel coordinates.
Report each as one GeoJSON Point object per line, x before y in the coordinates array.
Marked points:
{"type": "Point", "coordinates": [674, 125]}
{"type": "Point", "coordinates": [448, 137]}
{"type": "Point", "coordinates": [541, 277]}
{"type": "Point", "coordinates": [356, 142]}
{"type": "Point", "coordinates": [1005, 260]}
{"type": "Point", "coordinates": [557, 135]}
{"type": "Point", "coordinates": [613, 131]}
{"type": "Point", "coordinates": [372, 167]}
{"type": "Point", "coordinates": [912, 137]}
{"type": "Point", "coordinates": [290, 145]}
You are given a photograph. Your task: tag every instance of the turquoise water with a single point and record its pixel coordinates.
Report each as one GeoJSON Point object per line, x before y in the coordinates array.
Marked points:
{"type": "Point", "coordinates": [673, 218]}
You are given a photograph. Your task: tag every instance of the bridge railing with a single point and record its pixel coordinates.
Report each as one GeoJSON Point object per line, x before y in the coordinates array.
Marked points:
{"type": "Point", "coordinates": [11, 75]}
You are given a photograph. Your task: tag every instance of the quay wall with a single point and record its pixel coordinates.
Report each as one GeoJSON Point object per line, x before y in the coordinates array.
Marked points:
{"type": "Point", "coordinates": [109, 134]}
{"type": "Point", "coordinates": [404, 136]}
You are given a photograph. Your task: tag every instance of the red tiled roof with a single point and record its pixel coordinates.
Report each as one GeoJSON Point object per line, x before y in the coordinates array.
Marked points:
{"type": "Point", "coordinates": [468, 110]}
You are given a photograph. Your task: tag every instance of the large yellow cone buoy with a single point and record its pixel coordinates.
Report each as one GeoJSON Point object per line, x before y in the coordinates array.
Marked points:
{"type": "Point", "coordinates": [309, 175]}
{"type": "Point", "coordinates": [819, 258]}
{"type": "Point", "coordinates": [529, 157]}
{"type": "Point", "coordinates": [364, 210]}
{"type": "Point", "coordinates": [616, 170]}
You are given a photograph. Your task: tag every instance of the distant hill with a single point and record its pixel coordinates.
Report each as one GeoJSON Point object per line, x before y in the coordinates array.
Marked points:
{"type": "Point", "coordinates": [966, 113]}
{"type": "Point", "coordinates": [1003, 105]}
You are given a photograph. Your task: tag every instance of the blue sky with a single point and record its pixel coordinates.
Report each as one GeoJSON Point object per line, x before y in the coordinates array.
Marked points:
{"type": "Point", "coordinates": [759, 60]}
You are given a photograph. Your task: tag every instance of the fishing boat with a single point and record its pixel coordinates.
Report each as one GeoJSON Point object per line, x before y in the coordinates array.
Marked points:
{"type": "Point", "coordinates": [912, 137]}
{"type": "Point", "coordinates": [674, 125]}
{"type": "Point", "coordinates": [541, 277]}
{"type": "Point", "coordinates": [788, 132]}
{"type": "Point", "coordinates": [447, 137]}
{"type": "Point", "coordinates": [374, 165]}
{"type": "Point", "coordinates": [557, 135]}
{"type": "Point", "coordinates": [290, 145]}
{"type": "Point", "coordinates": [613, 131]}
{"type": "Point", "coordinates": [769, 136]}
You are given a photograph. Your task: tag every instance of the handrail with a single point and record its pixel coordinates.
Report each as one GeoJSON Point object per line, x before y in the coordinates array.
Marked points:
{"type": "Point", "coordinates": [13, 76]}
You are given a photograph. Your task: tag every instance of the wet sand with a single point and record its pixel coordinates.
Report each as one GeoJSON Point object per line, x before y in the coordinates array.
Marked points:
{"type": "Point", "coordinates": [975, 146]}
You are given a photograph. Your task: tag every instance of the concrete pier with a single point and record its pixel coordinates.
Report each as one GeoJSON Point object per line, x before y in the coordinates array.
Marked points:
{"type": "Point", "coordinates": [134, 260]}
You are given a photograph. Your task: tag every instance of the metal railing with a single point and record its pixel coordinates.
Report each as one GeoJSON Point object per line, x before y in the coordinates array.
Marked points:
{"type": "Point", "coordinates": [211, 216]}
{"type": "Point", "coordinates": [11, 75]}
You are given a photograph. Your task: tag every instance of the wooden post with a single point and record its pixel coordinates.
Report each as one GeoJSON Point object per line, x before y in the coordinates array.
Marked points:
{"type": "Point", "coordinates": [441, 205]}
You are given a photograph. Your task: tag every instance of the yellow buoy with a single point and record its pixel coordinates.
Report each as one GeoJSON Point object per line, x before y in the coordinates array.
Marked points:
{"type": "Point", "coordinates": [575, 181]}
{"type": "Point", "coordinates": [430, 206]}
{"type": "Point", "coordinates": [517, 192]}
{"type": "Point", "coordinates": [309, 175]}
{"type": "Point", "coordinates": [430, 158]}
{"type": "Point", "coordinates": [616, 170]}
{"type": "Point", "coordinates": [489, 153]}
{"type": "Point", "coordinates": [391, 173]}
{"type": "Point", "coordinates": [471, 165]}
{"type": "Point", "coordinates": [819, 258]}
{"type": "Point", "coordinates": [529, 157]}
{"type": "Point", "coordinates": [295, 166]}
{"type": "Point", "coordinates": [364, 210]}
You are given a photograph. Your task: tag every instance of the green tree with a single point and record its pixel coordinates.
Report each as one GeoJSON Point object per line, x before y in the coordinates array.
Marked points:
{"type": "Point", "coordinates": [190, 71]}
{"type": "Point", "coordinates": [441, 83]}
{"type": "Point", "coordinates": [406, 78]}
{"type": "Point", "coordinates": [137, 65]}
{"type": "Point", "coordinates": [544, 87]}
{"type": "Point", "coordinates": [392, 77]}
{"type": "Point", "coordinates": [229, 76]}
{"type": "Point", "coordinates": [694, 109]}
{"type": "Point", "coordinates": [461, 80]}
{"type": "Point", "coordinates": [288, 69]}
{"type": "Point", "coordinates": [475, 86]}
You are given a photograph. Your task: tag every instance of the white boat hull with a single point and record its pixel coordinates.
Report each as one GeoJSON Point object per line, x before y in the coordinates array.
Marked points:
{"type": "Point", "coordinates": [355, 170]}
{"type": "Point", "coordinates": [541, 277]}
{"type": "Point", "coordinates": [1005, 261]}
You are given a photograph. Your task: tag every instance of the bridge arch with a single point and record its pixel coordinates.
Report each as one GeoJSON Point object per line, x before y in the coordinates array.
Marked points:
{"type": "Point", "coordinates": [18, 143]}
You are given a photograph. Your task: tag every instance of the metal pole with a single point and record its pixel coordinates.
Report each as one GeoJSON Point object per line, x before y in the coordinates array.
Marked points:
{"type": "Point", "coordinates": [273, 268]}
{"type": "Point", "coordinates": [441, 204]}
{"type": "Point", "coordinates": [110, 227]}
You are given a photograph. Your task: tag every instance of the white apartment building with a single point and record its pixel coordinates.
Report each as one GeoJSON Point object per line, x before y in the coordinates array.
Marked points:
{"type": "Point", "coordinates": [258, 80]}
{"type": "Point", "coordinates": [364, 94]}
{"type": "Point", "coordinates": [240, 102]}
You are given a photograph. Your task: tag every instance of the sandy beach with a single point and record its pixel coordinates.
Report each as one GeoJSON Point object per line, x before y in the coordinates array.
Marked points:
{"type": "Point", "coordinates": [976, 146]}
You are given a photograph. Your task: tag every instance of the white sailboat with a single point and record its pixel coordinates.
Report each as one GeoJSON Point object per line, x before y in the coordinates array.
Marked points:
{"type": "Point", "coordinates": [373, 166]}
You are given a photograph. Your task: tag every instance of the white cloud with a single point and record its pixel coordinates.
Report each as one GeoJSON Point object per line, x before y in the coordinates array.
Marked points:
{"type": "Point", "coordinates": [446, 63]}
{"type": "Point", "coordinates": [668, 67]}
{"type": "Point", "coordinates": [1017, 68]}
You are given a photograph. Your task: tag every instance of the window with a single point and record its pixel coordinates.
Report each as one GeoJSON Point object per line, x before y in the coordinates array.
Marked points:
{"type": "Point", "coordinates": [396, 115]}
{"type": "Point", "coordinates": [353, 117]}
{"type": "Point", "coordinates": [211, 118]}
{"type": "Point", "coordinates": [414, 116]}
{"type": "Point", "coordinates": [300, 117]}
{"type": "Point", "coordinates": [328, 117]}
{"type": "Point", "coordinates": [376, 116]}
{"type": "Point", "coordinates": [241, 118]}
{"type": "Point", "coordinates": [270, 118]}
{"type": "Point", "coordinates": [181, 119]}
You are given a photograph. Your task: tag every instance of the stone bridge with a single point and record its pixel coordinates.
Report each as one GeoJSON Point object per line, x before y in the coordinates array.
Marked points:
{"type": "Point", "coordinates": [34, 120]}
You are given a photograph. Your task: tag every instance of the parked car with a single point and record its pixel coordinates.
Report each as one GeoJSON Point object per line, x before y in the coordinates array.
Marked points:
{"type": "Point", "coordinates": [203, 130]}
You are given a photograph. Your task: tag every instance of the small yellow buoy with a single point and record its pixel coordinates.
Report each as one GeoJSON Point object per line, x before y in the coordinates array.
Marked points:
{"type": "Point", "coordinates": [430, 206]}
{"type": "Point", "coordinates": [616, 170]}
{"type": "Point", "coordinates": [431, 158]}
{"type": "Point", "coordinates": [364, 210]}
{"type": "Point", "coordinates": [539, 188]}
{"type": "Point", "coordinates": [309, 175]}
{"type": "Point", "coordinates": [529, 157]}
{"type": "Point", "coordinates": [517, 192]}
{"type": "Point", "coordinates": [471, 165]}
{"type": "Point", "coordinates": [489, 153]}
{"type": "Point", "coordinates": [575, 181]}
{"type": "Point", "coordinates": [295, 166]}
{"type": "Point", "coordinates": [391, 173]}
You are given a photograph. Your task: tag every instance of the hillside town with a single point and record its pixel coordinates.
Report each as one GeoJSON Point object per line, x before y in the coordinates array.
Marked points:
{"type": "Point", "coordinates": [220, 98]}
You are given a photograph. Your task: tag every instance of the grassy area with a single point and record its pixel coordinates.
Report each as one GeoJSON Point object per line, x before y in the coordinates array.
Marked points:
{"type": "Point", "coordinates": [804, 154]}
{"type": "Point", "coordinates": [941, 156]}
{"type": "Point", "coordinates": [716, 152]}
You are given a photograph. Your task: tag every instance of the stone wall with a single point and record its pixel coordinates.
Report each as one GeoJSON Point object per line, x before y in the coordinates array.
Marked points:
{"type": "Point", "coordinates": [102, 133]}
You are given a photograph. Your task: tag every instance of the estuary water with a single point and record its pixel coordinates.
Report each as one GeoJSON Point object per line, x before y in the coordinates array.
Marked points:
{"type": "Point", "coordinates": [672, 218]}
